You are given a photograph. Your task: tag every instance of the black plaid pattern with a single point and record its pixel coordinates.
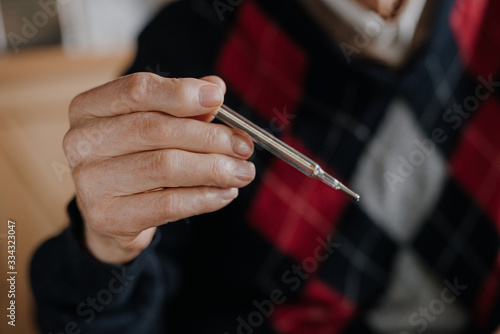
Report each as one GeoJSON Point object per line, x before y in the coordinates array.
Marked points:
{"type": "Point", "coordinates": [458, 240]}
{"type": "Point", "coordinates": [361, 265]}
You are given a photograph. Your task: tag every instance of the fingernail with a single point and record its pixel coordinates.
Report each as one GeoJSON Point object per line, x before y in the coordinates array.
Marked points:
{"type": "Point", "coordinates": [229, 193]}
{"type": "Point", "coordinates": [245, 171]}
{"type": "Point", "coordinates": [210, 96]}
{"type": "Point", "coordinates": [240, 146]}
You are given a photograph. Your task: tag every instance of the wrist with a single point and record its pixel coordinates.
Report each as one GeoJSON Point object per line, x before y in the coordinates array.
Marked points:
{"type": "Point", "coordinates": [110, 250]}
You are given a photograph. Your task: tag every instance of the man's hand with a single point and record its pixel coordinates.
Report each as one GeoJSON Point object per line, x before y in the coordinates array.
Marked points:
{"type": "Point", "coordinates": [143, 153]}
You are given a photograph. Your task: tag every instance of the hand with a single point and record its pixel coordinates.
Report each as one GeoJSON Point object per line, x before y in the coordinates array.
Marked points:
{"type": "Point", "coordinates": [143, 153]}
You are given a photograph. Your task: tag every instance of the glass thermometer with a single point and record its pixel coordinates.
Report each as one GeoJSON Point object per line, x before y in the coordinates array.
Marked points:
{"type": "Point", "coordinates": [281, 149]}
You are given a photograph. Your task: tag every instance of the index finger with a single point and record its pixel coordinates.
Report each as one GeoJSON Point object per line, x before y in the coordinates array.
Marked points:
{"type": "Point", "coordinates": [147, 92]}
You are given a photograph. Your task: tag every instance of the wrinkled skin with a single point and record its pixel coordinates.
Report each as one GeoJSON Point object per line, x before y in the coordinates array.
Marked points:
{"type": "Point", "coordinates": [143, 153]}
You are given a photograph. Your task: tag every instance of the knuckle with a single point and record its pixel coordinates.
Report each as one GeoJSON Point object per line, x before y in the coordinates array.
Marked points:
{"type": "Point", "coordinates": [170, 205]}
{"type": "Point", "coordinates": [137, 87]}
{"type": "Point", "coordinates": [70, 144]}
{"type": "Point", "coordinates": [149, 126]}
{"type": "Point", "coordinates": [82, 181]}
{"type": "Point", "coordinates": [92, 201]}
{"type": "Point", "coordinates": [89, 182]}
{"type": "Point", "coordinates": [159, 163]}
{"type": "Point", "coordinates": [214, 138]}
{"type": "Point", "coordinates": [75, 102]}
{"type": "Point", "coordinates": [220, 170]}
{"type": "Point", "coordinates": [74, 107]}
{"type": "Point", "coordinates": [181, 93]}
{"type": "Point", "coordinates": [69, 141]}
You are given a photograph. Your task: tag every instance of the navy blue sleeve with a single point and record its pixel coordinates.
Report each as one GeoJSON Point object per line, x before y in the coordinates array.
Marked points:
{"type": "Point", "coordinates": [73, 291]}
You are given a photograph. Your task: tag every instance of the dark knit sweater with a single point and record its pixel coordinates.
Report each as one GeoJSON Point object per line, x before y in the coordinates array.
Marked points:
{"type": "Point", "coordinates": [290, 255]}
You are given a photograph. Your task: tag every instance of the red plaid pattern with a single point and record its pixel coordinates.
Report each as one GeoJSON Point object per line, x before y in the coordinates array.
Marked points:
{"type": "Point", "coordinates": [320, 310]}
{"type": "Point", "coordinates": [476, 163]}
{"type": "Point", "coordinates": [476, 25]}
{"type": "Point", "coordinates": [488, 294]}
{"type": "Point", "coordinates": [300, 208]}
{"type": "Point", "coordinates": [262, 64]}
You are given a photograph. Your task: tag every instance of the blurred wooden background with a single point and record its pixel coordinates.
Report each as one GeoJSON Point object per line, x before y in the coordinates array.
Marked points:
{"type": "Point", "coordinates": [36, 87]}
